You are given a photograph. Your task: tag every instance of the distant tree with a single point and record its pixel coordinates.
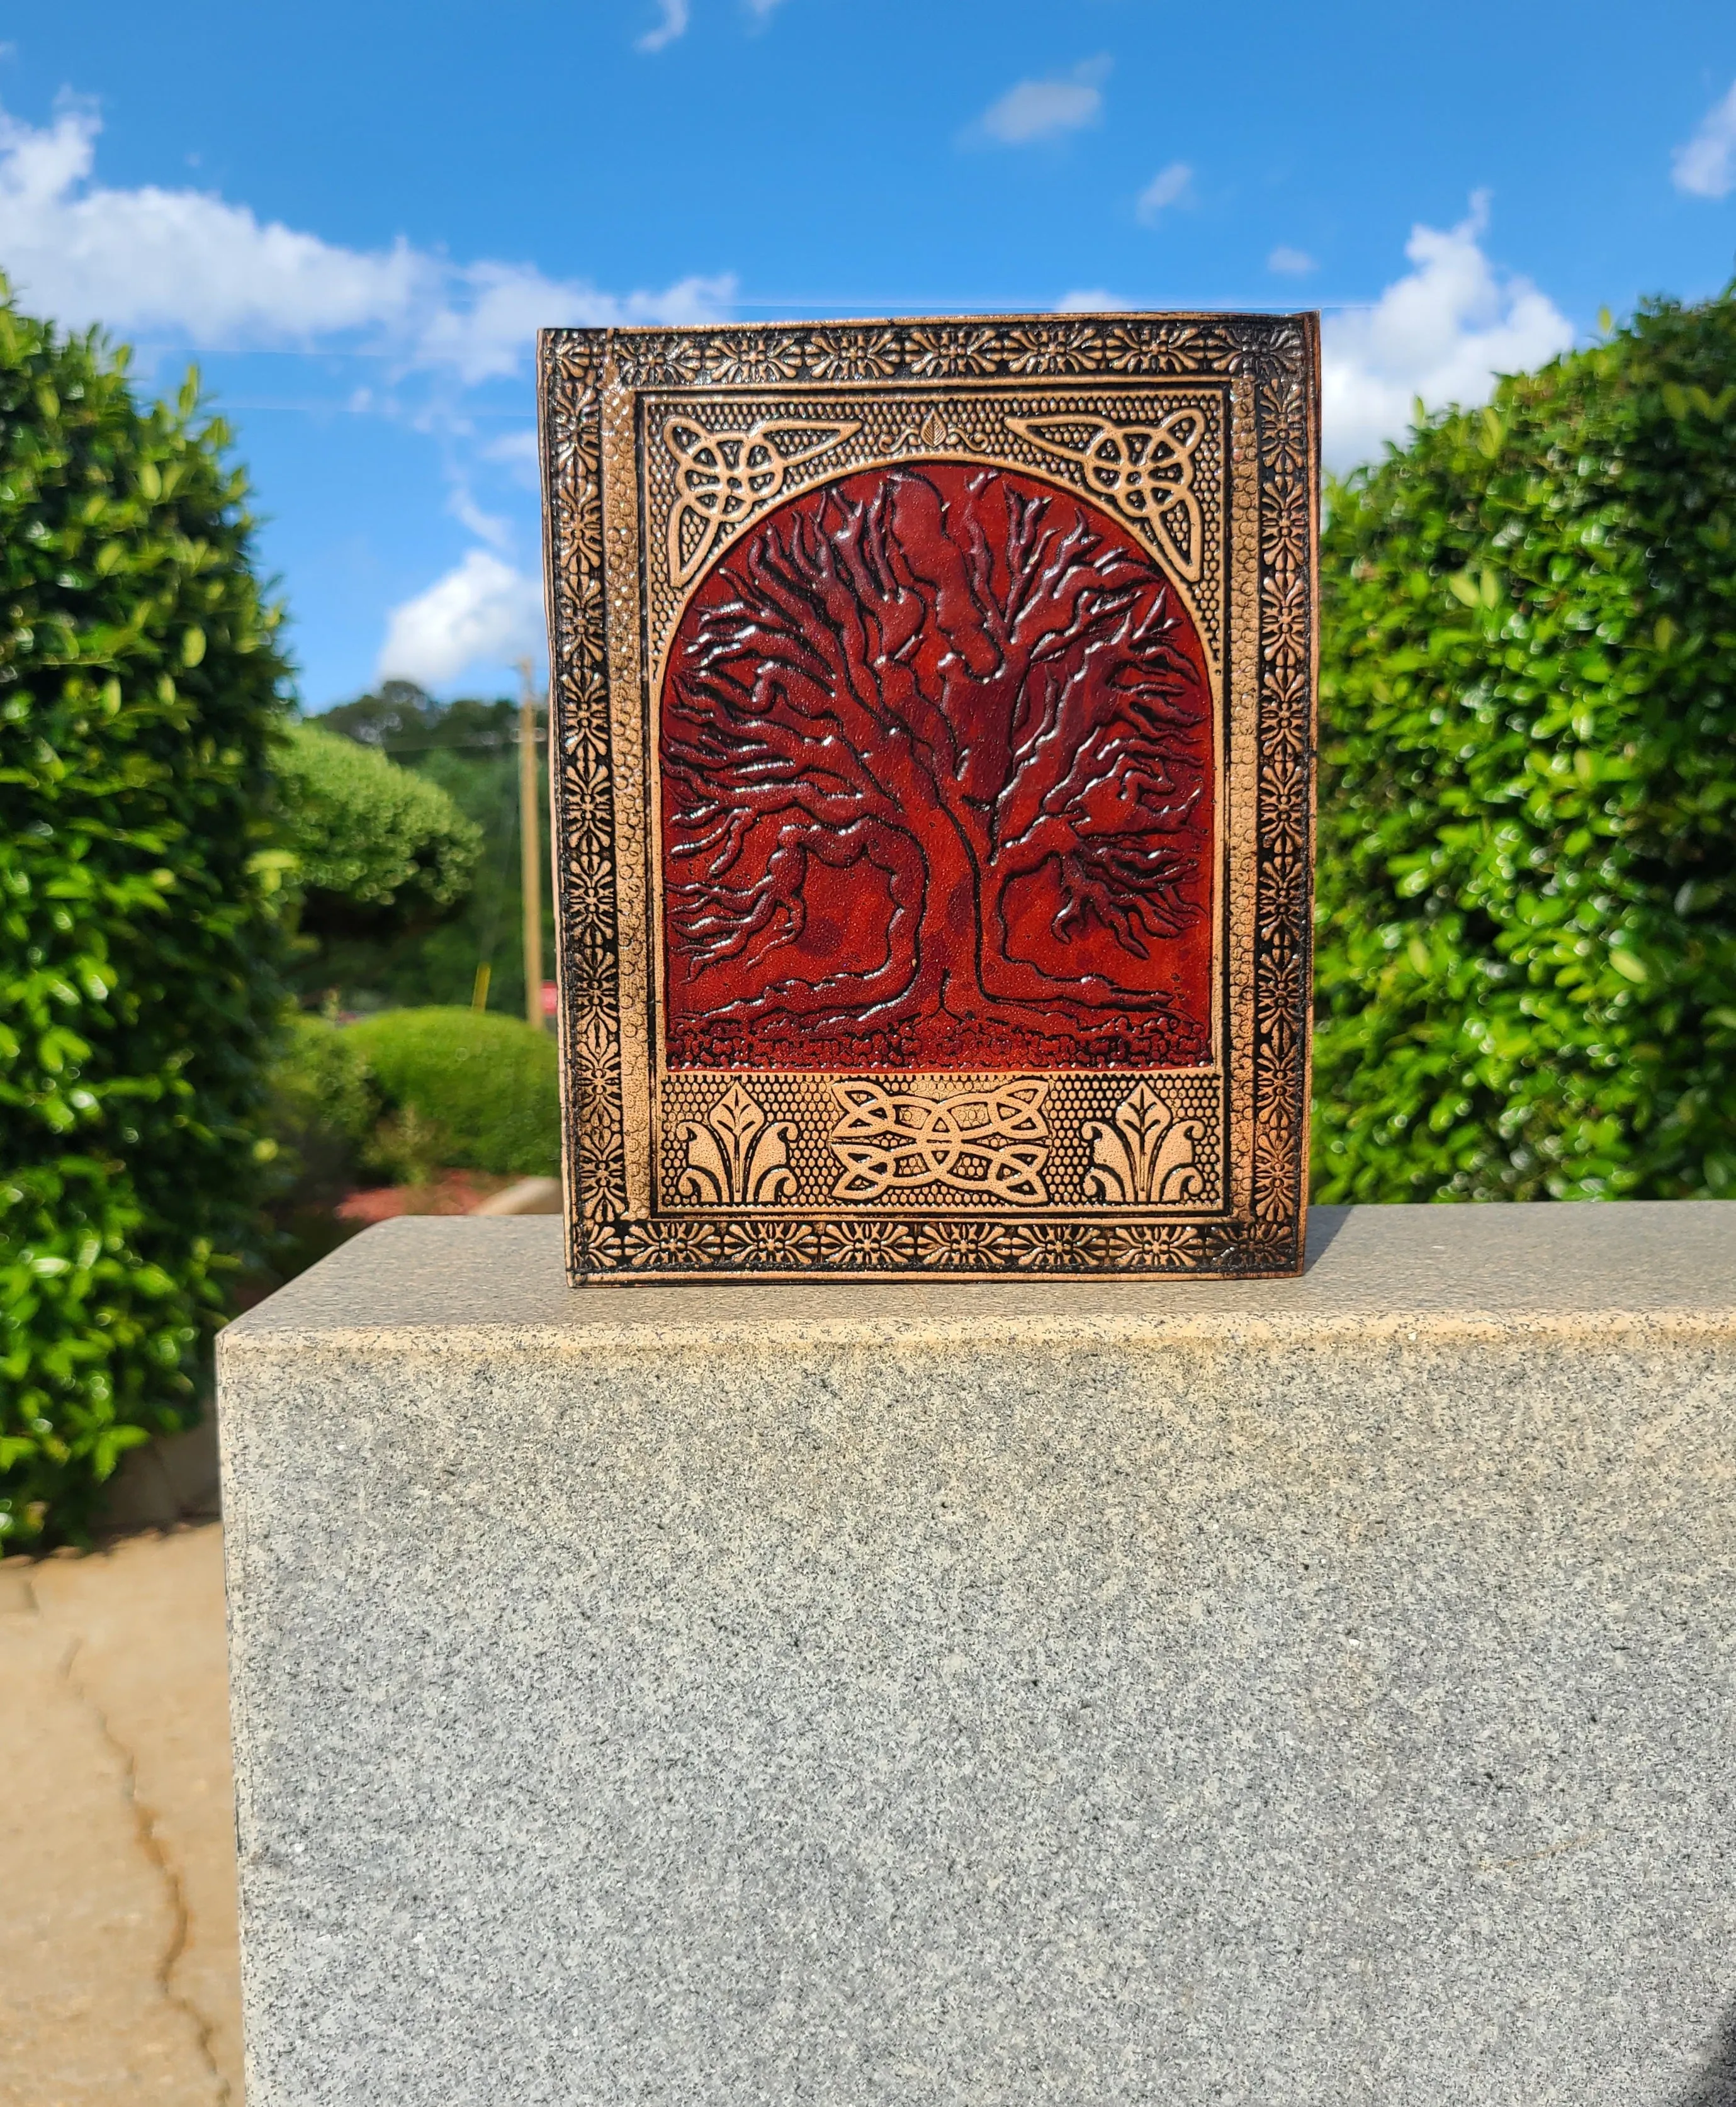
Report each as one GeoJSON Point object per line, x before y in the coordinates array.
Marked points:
{"type": "Point", "coordinates": [397, 710]}
{"type": "Point", "coordinates": [404, 721]}
{"type": "Point", "coordinates": [141, 695]}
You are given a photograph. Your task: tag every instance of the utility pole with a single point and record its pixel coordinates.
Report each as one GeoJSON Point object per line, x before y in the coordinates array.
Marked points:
{"type": "Point", "coordinates": [530, 844]}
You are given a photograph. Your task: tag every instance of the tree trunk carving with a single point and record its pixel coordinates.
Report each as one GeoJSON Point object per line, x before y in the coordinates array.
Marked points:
{"type": "Point", "coordinates": [936, 748]}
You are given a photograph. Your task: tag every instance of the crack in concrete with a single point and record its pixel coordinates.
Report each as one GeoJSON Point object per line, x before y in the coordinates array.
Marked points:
{"type": "Point", "coordinates": [144, 1822]}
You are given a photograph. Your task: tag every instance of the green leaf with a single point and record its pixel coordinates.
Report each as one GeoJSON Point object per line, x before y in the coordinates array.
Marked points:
{"type": "Point", "coordinates": [273, 866]}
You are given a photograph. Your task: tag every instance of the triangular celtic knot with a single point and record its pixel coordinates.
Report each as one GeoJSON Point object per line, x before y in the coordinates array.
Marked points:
{"type": "Point", "coordinates": [1146, 471]}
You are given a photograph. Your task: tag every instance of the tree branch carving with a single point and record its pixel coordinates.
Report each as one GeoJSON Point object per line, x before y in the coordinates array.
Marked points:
{"type": "Point", "coordinates": [936, 749]}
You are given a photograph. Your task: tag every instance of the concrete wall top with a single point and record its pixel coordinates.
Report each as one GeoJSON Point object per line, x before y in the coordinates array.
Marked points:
{"type": "Point", "coordinates": [1662, 1268]}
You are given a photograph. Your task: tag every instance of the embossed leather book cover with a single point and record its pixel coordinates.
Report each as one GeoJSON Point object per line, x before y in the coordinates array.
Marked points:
{"type": "Point", "coordinates": [933, 718]}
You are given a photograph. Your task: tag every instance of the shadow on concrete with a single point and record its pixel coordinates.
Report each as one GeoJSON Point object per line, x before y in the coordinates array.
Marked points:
{"type": "Point", "coordinates": [173, 1479]}
{"type": "Point", "coordinates": [1323, 1225]}
{"type": "Point", "coordinates": [1714, 2083]}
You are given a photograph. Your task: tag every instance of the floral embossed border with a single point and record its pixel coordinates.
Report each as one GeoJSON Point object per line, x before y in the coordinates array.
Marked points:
{"type": "Point", "coordinates": [611, 1238]}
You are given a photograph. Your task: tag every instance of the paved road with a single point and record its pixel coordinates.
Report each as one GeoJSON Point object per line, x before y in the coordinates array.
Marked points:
{"type": "Point", "coordinates": [117, 1978]}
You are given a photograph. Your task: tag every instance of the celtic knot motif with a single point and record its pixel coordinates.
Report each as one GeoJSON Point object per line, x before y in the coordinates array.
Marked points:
{"type": "Point", "coordinates": [1146, 471]}
{"type": "Point", "coordinates": [737, 1157]}
{"type": "Point", "coordinates": [721, 477]}
{"type": "Point", "coordinates": [991, 1144]}
{"type": "Point", "coordinates": [1145, 1158]}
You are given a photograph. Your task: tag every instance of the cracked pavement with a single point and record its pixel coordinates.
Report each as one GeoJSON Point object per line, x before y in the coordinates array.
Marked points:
{"type": "Point", "coordinates": [118, 1977]}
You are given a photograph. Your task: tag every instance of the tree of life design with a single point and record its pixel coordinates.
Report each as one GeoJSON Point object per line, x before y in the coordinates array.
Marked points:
{"type": "Point", "coordinates": [936, 746]}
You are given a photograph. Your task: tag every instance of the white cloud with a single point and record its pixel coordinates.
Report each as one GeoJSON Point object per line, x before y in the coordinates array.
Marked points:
{"type": "Point", "coordinates": [156, 258]}
{"type": "Point", "coordinates": [1043, 109]}
{"type": "Point", "coordinates": [517, 453]}
{"type": "Point", "coordinates": [1293, 262]}
{"type": "Point", "coordinates": [481, 611]}
{"type": "Point", "coordinates": [1442, 332]}
{"type": "Point", "coordinates": [489, 526]}
{"type": "Point", "coordinates": [483, 333]}
{"type": "Point", "coordinates": [1170, 186]}
{"type": "Point", "coordinates": [189, 263]}
{"type": "Point", "coordinates": [677, 14]}
{"type": "Point", "coordinates": [673, 25]}
{"type": "Point", "coordinates": [1091, 300]}
{"type": "Point", "coordinates": [1705, 165]}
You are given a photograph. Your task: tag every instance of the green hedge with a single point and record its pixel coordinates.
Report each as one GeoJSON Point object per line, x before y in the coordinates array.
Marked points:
{"type": "Point", "coordinates": [141, 693]}
{"type": "Point", "coordinates": [1526, 973]}
{"type": "Point", "coordinates": [486, 1085]}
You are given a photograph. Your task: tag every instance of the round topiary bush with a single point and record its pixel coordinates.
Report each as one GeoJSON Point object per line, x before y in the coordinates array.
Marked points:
{"type": "Point", "coordinates": [1526, 972]}
{"type": "Point", "coordinates": [483, 1089]}
{"type": "Point", "coordinates": [370, 837]}
{"type": "Point", "coordinates": [141, 691]}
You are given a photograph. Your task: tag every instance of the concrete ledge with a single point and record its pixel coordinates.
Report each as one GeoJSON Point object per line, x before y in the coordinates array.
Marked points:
{"type": "Point", "coordinates": [1313, 1691]}
{"type": "Point", "coordinates": [530, 1196]}
{"type": "Point", "coordinates": [1438, 1270]}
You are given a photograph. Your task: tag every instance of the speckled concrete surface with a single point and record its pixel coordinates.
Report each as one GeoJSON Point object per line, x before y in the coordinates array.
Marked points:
{"type": "Point", "coordinates": [1310, 1691]}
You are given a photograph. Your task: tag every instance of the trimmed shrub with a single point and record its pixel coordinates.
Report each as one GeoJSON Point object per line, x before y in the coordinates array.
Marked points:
{"type": "Point", "coordinates": [141, 693]}
{"type": "Point", "coordinates": [323, 1107]}
{"type": "Point", "coordinates": [481, 1090]}
{"type": "Point", "coordinates": [1526, 971]}
{"type": "Point", "coordinates": [369, 835]}
{"type": "Point", "coordinates": [321, 1114]}
{"type": "Point", "coordinates": [469, 749]}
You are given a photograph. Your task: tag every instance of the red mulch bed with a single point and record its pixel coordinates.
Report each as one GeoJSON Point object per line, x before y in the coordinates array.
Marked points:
{"type": "Point", "coordinates": [451, 1192]}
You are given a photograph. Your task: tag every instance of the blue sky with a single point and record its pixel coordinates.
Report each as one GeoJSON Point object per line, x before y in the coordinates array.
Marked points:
{"type": "Point", "coordinates": [354, 216]}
